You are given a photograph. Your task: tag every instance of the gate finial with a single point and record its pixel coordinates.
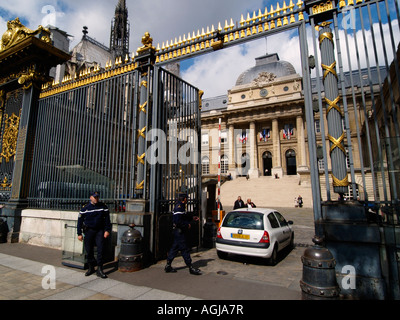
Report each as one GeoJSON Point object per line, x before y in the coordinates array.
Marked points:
{"type": "Point", "coordinates": [147, 42]}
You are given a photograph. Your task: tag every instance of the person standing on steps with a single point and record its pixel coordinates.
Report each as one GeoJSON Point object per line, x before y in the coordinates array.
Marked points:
{"type": "Point", "coordinates": [94, 222]}
{"type": "Point", "coordinates": [239, 203]}
{"type": "Point", "coordinates": [181, 226]}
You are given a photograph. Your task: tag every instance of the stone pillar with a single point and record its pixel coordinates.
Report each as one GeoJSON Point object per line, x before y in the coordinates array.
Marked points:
{"type": "Point", "coordinates": [302, 168]}
{"type": "Point", "coordinates": [253, 171]}
{"type": "Point", "coordinates": [231, 152]}
{"type": "Point", "coordinates": [25, 62]}
{"type": "Point", "coordinates": [276, 156]}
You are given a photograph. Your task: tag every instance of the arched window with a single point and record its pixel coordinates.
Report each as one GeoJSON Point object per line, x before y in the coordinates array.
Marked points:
{"type": "Point", "coordinates": [205, 165]}
{"type": "Point", "coordinates": [224, 164]}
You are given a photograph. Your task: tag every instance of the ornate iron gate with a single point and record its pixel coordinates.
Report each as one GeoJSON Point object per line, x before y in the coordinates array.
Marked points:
{"type": "Point", "coordinates": [131, 131]}
{"type": "Point", "coordinates": [10, 114]}
{"type": "Point", "coordinates": [176, 151]}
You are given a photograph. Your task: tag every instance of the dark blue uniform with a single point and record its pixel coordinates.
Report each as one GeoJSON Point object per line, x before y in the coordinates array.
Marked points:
{"type": "Point", "coordinates": [181, 222]}
{"type": "Point", "coordinates": [94, 220]}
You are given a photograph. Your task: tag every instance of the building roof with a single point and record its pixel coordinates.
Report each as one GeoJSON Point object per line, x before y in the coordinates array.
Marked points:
{"type": "Point", "coordinates": [91, 51]}
{"type": "Point", "coordinates": [269, 63]}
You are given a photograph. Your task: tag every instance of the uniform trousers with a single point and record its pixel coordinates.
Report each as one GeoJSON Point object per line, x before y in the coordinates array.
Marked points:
{"type": "Point", "coordinates": [94, 237]}
{"type": "Point", "coordinates": [179, 244]}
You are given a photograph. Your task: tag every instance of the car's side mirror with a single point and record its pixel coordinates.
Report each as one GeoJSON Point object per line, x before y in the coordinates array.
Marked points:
{"type": "Point", "coordinates": [290, 222]}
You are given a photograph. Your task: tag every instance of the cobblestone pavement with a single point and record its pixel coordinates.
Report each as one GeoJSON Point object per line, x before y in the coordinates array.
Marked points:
{"type": "Point", "coordinates": [21, 274]}
{"type": "Point", "coordinates": [287, 273]}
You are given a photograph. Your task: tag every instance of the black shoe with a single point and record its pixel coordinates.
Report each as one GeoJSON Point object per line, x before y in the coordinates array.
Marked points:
{"type": "Point", "coordinates": [100, 273]}
{"type": "Point", "coordinates": [90, 270]}
{"type": "Point", "coordinates": [168, 268]}
{"type": "Point", "coordinates": [194, 271]}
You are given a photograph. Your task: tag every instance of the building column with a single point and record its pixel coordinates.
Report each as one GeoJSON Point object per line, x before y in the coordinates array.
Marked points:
{"type": "Point", "coordinates": [253, 171]}
{"type": "Point", "coordinates": [301, 142]}
{"type": "Point", "coordinates": [231, 152]}
{"type": "Point", "coordinates": [276, 146]}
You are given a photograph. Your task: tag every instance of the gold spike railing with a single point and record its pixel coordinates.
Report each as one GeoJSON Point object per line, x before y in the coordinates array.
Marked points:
{"type": "Point", "coordinates": [213, 38]}
{"type": "Point", "coordinates": [89, 76]}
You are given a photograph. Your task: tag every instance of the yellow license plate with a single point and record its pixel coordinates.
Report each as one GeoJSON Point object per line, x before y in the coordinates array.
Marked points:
{"type": "Point", "coordinates": [240, 236]}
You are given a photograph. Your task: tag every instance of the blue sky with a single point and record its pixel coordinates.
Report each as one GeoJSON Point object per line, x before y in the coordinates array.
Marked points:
{"type": "Point", "coordinates": [166, 20]}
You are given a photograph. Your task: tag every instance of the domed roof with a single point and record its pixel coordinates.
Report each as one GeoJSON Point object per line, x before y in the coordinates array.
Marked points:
{"type": "Point", "coordinates": [269, 63]}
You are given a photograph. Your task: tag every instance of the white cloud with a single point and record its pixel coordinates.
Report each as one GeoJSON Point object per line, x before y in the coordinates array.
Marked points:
{"type": "Point", "coordinates": [168, 19]}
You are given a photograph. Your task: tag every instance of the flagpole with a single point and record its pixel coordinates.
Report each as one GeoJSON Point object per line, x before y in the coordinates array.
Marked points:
{"type": "Point", "coordinates": [219, 170]}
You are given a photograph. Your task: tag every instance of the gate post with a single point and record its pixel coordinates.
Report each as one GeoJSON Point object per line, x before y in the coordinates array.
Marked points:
{"type": "Point", "coordinates": [25, 61]}
{"type": "Point", "coordinates": [354, 240]}
{"type": "Point", "coordinates": [137, 209]}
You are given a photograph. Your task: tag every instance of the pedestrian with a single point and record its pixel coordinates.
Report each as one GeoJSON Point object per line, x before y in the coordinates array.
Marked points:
{"type": "Point", "coordinates": [300, 201]}
{"type": "Point", "coordinates": [250, 204]}
{"type": "Point", "coordinates": [94, 222]}
{"type": "Point", "coordinates": [182, 223]}
{"type": "Point", "coordinates": [239, 203]}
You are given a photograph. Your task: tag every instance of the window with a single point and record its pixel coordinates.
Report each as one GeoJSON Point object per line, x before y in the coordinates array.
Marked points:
{"type": "Point", "coordinates": [224, 164]}
{"type": "Point", "coordinates": [204, 139]}
{"type": "Point", "coordinates": [281, 219]}
{"type": "Point", "coordinates": [272, 220]}
{"type": "Point", "coordinates": [224, 136]}
{"type": "Point", "coordinates": [317, 126]}
{"type": "Point", "coordinates": [288, 131]}
{"type": "Point", "coordinates": [205, 165]}
{"type": "Point", "coordinates": [321, 165]}
{"type": "Point", "coordinates": [244, 220]}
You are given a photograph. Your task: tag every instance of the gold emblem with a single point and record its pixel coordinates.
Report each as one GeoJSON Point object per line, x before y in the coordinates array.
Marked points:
{"type": "Point", "coordinates": [9, 143]}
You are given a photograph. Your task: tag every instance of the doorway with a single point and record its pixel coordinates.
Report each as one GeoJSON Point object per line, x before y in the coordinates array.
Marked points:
{"type": "Point", "coordinates": [291, 162]}
{"type": "Point", "coordinates": [267, 163]}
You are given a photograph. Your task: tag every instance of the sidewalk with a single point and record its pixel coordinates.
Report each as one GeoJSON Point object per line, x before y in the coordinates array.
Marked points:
{"type": "Point", "coordinates": [21, 275]}
{"type": "Point", "coordinates": [21, 279]}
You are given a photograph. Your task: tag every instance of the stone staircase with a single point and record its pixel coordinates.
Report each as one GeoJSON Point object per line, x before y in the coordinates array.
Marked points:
{"type": "Point", "coordinates": [266, 191]}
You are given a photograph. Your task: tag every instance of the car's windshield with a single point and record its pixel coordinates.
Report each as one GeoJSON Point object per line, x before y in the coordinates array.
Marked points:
{"type": "Point", "coordinates": [244, 220]}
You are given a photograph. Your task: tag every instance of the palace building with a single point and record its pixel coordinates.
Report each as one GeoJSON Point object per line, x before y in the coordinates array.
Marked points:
{"type": "Point", "coordinates": [263, 124]}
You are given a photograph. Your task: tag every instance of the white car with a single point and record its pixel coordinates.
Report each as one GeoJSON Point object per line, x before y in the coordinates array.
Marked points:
{"type": "Point", "coordinates": [258, 232]}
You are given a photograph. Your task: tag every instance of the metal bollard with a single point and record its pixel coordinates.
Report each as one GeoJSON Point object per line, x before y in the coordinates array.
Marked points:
{"type": "Point", "coordinates": [319, 277]}
{"type": "Point", "coordinates": [130, 258]}
{"type": "Point", "coordinates": [210, 234]}
{"type": "Point", "coordinates": [3, 231]}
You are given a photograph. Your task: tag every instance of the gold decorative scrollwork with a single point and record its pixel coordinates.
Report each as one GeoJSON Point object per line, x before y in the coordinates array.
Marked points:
{"type": "Point", "coordinates": [337, 143]}
{"type": "Point", "coordinates": [141, 133]}
{"type": "Point", "coordinates": [326, 35]}
{"type": "Point", "coordinates": [9, 143]}
{"type": "Point", "coordinates": [330, 69]}
{"type": "Point", "coordinates": [333, 104]}
{"type": "Point", "coordinates": [30, 77]}
{"type": "Point", "coordinates": [2, 99]}
{"type": "Point", "coordinates": [142, 107]}
{"type": "Point", "coordinates": [140, 186]}
{"type": "Point", "coordinates": [322, 7]}
{"type": "Point", "coordinates": [16, 32]}
{"type": "Point", "coordinates": [5, 184]}
{"type": "Point", "coordinates": [340, 183]}
{"type": "Point", "coordinates": [140, 159]}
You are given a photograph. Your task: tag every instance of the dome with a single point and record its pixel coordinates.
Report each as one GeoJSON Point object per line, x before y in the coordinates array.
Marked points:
{"type": "Point", "coordinates": [269, 63]}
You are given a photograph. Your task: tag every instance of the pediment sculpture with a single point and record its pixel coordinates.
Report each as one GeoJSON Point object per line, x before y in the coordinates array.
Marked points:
{"type": "Point", "coordinates": [17, 32]}
{"type": "Point", "coordinates": [264, 78]}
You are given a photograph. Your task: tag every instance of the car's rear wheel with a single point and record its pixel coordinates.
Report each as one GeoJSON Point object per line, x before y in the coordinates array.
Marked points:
{"type": "Point", "coordinates": [273, 260]}
{"type": "Point", "coordinates": [222, 255]}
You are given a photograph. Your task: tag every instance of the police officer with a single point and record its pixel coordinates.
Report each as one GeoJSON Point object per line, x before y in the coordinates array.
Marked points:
{"type": "Point", "coordinates": [94, 221]}
{"type": "Point", "coordinates": [181, 224]}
